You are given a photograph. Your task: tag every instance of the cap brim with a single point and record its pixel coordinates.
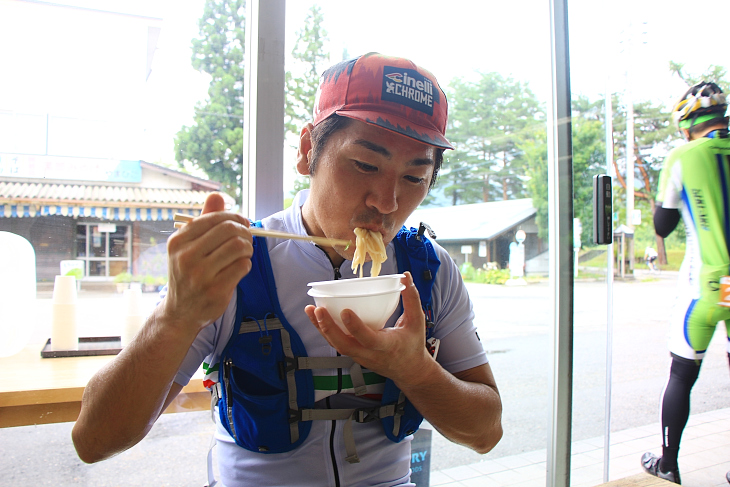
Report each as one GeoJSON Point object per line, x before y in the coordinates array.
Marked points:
{"type": "Point", "coordinates": [400, 126]}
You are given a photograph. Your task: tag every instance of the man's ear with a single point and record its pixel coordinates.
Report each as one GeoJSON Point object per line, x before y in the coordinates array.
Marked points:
{"type": "Point", "coordinates": [685, 134]}
{"type": "Point", "coordinates": [305, 150]}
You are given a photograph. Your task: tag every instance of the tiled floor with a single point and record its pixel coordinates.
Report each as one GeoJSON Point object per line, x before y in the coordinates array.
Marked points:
{"type": "Point", "coordinates": [704, 458]}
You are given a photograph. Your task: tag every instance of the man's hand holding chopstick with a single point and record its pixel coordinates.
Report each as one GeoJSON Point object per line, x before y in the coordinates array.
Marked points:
{"type": "Point", "coordinates": [207, 258]}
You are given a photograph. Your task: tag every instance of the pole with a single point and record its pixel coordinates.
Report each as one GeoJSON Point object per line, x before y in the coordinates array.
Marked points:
{"type": "Point", "coordinates": [609, 295]}
{"type": "Point", "coordinates": [630, 159]}
{"type": "Point", "coordinates": [263, 109]}
{"type": "Point", "coordinates": [560, 219]}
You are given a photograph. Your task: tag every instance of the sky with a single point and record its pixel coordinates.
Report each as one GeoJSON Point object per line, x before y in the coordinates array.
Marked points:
{"type": "Point", "coordinates": [610, 43]}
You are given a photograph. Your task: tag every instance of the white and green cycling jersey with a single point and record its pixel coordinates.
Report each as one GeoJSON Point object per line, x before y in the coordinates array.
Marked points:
{"type": "Point", "coordinates": [695, 180]}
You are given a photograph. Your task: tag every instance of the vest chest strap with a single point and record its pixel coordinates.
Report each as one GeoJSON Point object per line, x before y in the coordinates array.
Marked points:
{"type": "Point", "coordinates": [357, 415]}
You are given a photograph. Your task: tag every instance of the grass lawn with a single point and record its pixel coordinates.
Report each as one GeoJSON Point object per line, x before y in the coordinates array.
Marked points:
{"type": "Point", "coordinates": [674, 258]}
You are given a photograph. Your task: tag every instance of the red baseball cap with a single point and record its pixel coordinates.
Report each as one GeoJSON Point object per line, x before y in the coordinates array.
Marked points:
{"type": "Point", "coordinates": [389, 92]}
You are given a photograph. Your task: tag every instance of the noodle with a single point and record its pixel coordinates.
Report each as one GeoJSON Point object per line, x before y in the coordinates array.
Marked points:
{"type": "Point", "coordinates": [368, 242]}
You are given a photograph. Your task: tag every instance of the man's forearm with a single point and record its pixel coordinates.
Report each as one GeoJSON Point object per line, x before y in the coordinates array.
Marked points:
{"type": "Point", "coordinates": [465, 408]}
{"type": "Point", "coordinates": [122, 401]}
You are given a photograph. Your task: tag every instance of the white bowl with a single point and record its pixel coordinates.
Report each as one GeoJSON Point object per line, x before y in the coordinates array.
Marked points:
{"type": "Point", "coordinates": [357, 286]}
{"type": "Point", "coordinates": [373, 309]}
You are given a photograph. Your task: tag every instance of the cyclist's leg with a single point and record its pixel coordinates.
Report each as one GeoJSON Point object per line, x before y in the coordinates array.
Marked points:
{"type": "Point", "coordinates": [690, 333]}
{"type": "Point", "coordinates": [675, 408]}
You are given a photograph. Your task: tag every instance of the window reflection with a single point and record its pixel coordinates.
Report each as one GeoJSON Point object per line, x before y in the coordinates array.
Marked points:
{"type": "Point", "coordinates": [81, 240]}
{"type": "Point", "coordinates": [97, 268]}
{"type": "Point", "coordinates": [108, 247]}
{"type": "Point", "coordinates": [98, 242]}
{"type": "Point", "coordinates": [118, 243]}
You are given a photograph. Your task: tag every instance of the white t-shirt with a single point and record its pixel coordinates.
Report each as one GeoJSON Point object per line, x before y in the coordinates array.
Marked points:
{"type": "Point", "coordinates": [322, 455]}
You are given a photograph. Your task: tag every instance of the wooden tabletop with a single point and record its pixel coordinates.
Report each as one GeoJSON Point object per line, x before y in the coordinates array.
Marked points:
{"type": "Point", "coordinates": [35, 390]}
{"type": "Point", "coordinates": [638, 480]}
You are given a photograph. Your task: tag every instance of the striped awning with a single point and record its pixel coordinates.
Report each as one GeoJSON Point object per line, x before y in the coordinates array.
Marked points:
{"type": "Point", "coordinates": [122, 203]}
{"type": "Point", "coordinates": [102, 212]}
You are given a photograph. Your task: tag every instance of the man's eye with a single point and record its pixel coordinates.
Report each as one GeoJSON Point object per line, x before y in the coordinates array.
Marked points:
{"type": "Point", "coordinates": [365, 167]}
{"type": "Point", "coordinates": [415, 179]}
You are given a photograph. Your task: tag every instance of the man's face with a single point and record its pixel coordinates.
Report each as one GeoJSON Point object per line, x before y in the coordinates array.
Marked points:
{"type": "Point", "coordinates": [366, 177]}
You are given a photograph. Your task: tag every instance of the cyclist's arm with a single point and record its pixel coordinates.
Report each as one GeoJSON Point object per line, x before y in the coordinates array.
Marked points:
{"type": "Point", "coordinates": [665, 220]}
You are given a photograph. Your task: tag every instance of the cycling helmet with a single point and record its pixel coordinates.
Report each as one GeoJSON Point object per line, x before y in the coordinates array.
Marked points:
{"type": "Point", "coordinates": [702, 102]}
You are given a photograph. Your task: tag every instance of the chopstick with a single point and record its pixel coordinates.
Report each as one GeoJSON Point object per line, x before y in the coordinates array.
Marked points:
{"type": "Point", "coordinates": [181, 219]}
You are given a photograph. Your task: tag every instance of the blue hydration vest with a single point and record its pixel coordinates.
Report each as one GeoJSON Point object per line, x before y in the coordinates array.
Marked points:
{"type": "Point", "coordinates": [266, 386]}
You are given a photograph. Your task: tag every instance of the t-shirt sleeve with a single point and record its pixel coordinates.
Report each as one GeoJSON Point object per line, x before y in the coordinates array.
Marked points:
{"type": "Point", "coordinates": [207, 347]}
{"type": "Point", "coordinates": [460, 347]}
{"type": "Point", "coordinates": [673, 191]}
{"type": "Point", "coordinates": [669, 191]}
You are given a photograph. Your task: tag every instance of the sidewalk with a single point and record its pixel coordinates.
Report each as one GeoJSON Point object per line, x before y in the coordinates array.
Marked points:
{"type": "Point", "coordinates": [704, 458]}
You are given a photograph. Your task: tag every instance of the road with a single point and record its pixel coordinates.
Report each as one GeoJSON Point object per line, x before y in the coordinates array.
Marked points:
{"type": "Point", "coordinates": [514, 325]}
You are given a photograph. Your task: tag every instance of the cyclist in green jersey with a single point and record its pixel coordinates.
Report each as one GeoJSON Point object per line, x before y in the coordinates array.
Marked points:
{"type": "Point", "coordinates": [695, 184]}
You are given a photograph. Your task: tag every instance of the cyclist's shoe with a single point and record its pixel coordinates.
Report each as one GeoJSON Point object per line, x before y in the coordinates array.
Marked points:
{"type": "Point", "coordinates": [727, 476]}
{"type": "Point", "coordinates": [650, 462]}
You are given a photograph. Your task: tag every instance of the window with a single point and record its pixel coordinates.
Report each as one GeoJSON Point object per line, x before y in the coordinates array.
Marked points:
{"type": "Point", "coordinates": [105, 248]}
{"type": "Point", "coordinates": [100, 94]}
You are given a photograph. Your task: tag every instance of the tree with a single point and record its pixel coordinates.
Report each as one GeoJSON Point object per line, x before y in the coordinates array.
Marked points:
{"type": "Point", "coordinates": [653, 135]}
{"type": "Point", "coordinates": [535, 153]}
{"type": "Point", "coordinates": [214, 142]}
{"type": "Point", "coordinates": [488, 120]}
{"type": "Point", "coordinates": [715, 74]}
{"type": "Point", "coordinates": [310, 59]}
{"type": "Point", "coordinates": [589, 158]}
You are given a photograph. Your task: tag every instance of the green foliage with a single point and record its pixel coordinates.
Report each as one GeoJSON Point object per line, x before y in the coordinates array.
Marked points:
{"type": "Point", "coordinates": [645, 235]}
{"type": "Point", "coordinates": [492, 276]}
{"type": "Point", "coordinates": [76, 272]}
{"type": "Point", "coordinates": [535, 153]}
{"type": "Point", "coordinates": [123, 277]}
{"type": "Point", "coordinates": [589, 159]}
{"type": "Point", "coordinates": [214, 142]}
{"type": "Point", "coordinates": [488, 121]}
{"type": "Point", "coordinates": [484, 276]}
{"type": "Point", "coordinates": [715, 74]}
{"type": "Point", "coordinates": [310, 59]}
{"type": "Point", "coordinates": [674, 259]}
{"type": "Point", "coordinates": [467, 271]}
{"type": "Point", "coordinates": [300, 183]}
{"type": "Point", "coordinates": [654, 135]}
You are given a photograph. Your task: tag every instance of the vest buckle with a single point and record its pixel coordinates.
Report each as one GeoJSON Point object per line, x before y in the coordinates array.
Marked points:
{"type": "Point", "coordinates": [366, 415]}
{"type": "Point", "coordinates": [295, 416]}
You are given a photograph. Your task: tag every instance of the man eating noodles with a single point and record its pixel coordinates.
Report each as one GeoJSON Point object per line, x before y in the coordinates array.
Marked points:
{"type": "Point", "coordinates": [296, 400]}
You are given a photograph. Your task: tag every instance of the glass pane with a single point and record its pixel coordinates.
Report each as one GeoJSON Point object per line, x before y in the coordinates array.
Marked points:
{"type": "Point", "coordinates": [497, 102]}
{"type": "Point", "coordinates": [97, 268]}
{"type": "Point", "coordinates": [117, 267]}
{"type": "Point", "coordinates": [637, 64]}
{"type": "Point", "coordinates": [118, 242]}
{"type": "Point", "coordinates": [81, 240]}
{"type": "Point", "coordinates": [97, 241]}
{"type": "Point", "coordinates": [22, 133]}
{"type": "Point", "coordinates": [66, 135]}
{"type": "Point", "coordinates": [121, 89]}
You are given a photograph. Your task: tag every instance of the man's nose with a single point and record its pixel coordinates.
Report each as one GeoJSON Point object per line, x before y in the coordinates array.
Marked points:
{"type": "Point", "coordinates": [383, 197]}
